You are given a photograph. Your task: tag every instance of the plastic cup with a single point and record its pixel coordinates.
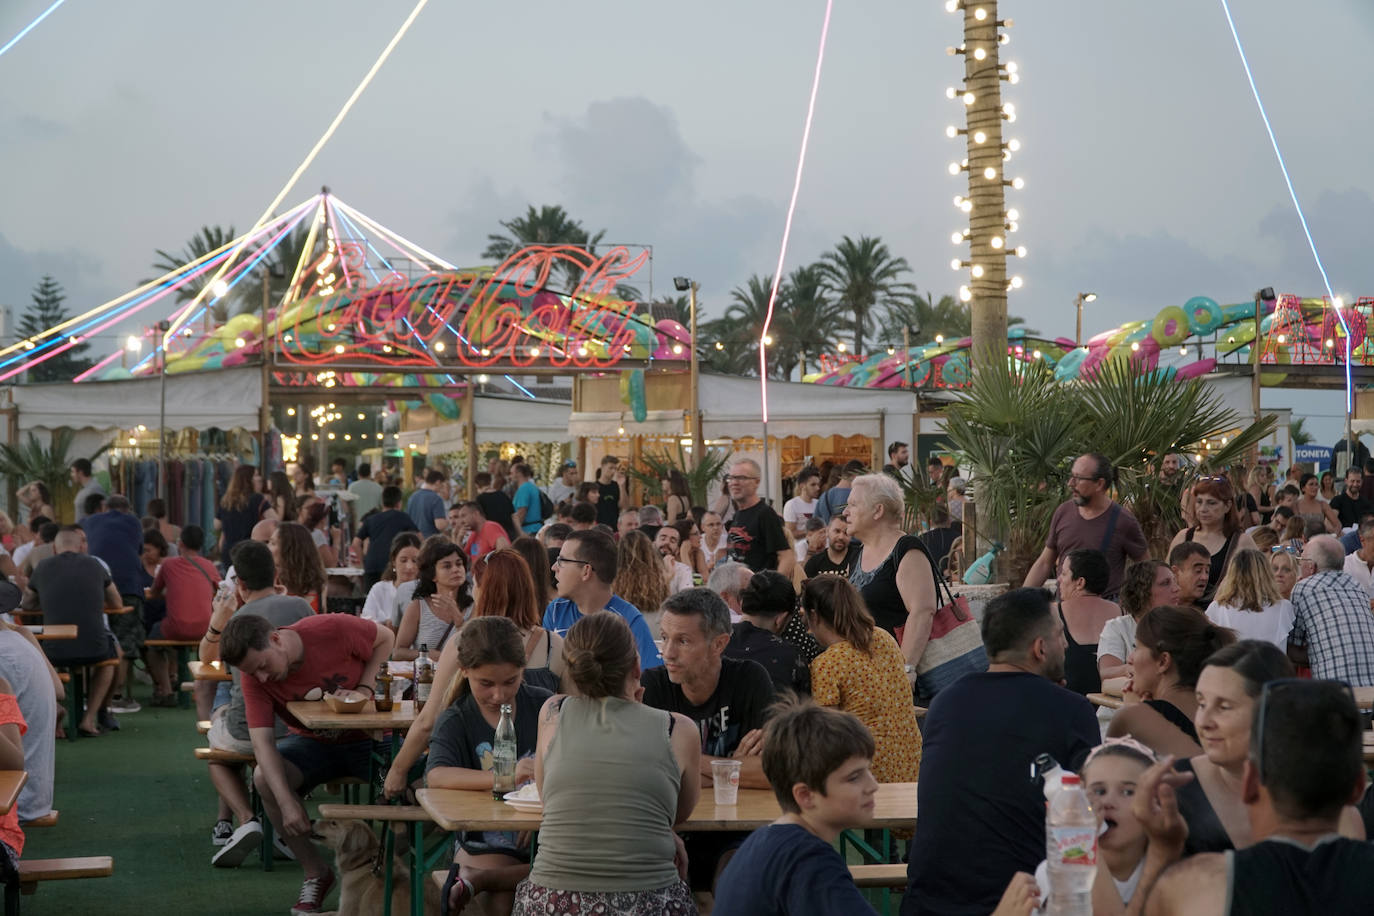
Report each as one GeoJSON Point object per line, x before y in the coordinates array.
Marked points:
{"type": "Point", "coordinates": [725, 780]}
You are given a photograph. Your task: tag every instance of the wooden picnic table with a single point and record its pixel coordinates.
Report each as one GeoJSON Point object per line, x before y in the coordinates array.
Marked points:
{"type": "Point", "coordinates": [464, 809]}
{"type": "Point", "coordinates": [1107, 700]}
{"type": "Point", "coordinates": [355, 572]}
{"type": "Point", "coordinates": [210, 671]}
{"type": "Point", "coordinates": [53, 631]}
{"type": "Point", "coordinates": [316, 716]}
{"type": "Point", "coordinates": [11, 781]}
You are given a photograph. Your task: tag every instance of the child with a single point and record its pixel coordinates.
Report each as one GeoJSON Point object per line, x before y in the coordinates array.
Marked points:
{"type": "Point", "coordinates": [491, 659]}
{"type": "Point", "coordinates": [402, 566]}
{"type": "Point", "coordinates": [1110, 775]}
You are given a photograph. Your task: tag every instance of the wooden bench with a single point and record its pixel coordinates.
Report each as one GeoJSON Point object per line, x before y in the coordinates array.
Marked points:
{"type": "Point", "coordinates": [202, 726]}
{"type": "Point", "coordinates": [886, 878]}
{"type": "Point", "coordinates": [76, 696]}
{"type": "Point", "coordinates": [34, 871]}
{"type": "Point", "coordinates": [183, 649]}
{"type": "Point", "coordinates": [228, 758]}
{"type": "Point", "coordinates": [47, 820]}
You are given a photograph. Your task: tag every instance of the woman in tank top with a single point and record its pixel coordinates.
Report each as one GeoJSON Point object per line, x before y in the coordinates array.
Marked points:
{"type": "Point", "coordinates": [1171, 644]}
{"type": "Point", "coordinates": [1311, 507]}
{"type": "Point", "coordinates": [1217, 528]}
{"type": "Point", "coordinates": [615, 776]}
{"type": "Point", "coordinates": [440, 602]}
{"type": "Point", "coordinates": [1083, 576]}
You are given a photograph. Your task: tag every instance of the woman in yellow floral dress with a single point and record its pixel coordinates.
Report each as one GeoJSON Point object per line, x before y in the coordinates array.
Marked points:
{"type": "Point", "coordinates": [862, 671]}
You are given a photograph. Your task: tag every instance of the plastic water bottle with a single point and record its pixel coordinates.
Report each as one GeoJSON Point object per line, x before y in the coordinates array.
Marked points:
{"type": "Point", "coordinates": [503, 755]}
{"type": "Point", "coordinates": [980, 573]}
{"type": "Point", "coordinates": [1070, 849]}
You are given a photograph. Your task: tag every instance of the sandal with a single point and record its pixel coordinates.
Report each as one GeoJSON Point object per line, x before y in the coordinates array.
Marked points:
{"type": "Point", "coordinates": [85, 734]}
{"type": "Point", "coordinates": [457, 893]}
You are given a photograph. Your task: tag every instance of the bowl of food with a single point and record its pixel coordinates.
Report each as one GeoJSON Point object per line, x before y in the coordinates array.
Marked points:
{"type": "Point", "coordinates": [345, 701]}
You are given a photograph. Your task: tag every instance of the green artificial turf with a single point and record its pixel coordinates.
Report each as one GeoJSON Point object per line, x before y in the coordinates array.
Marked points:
{"type": "Point", "coordinates": [140, 796]}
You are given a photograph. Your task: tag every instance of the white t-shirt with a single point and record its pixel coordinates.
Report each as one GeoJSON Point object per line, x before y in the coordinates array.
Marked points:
{"type": "Point", "coordinates": [1118, 637]}
{"type": "Point", "coordinates": [1271, 625]}
{"type": "Point", "coordinates": [682, 577]}
{"type": "Point", "coordinates": [796, 511]}
{"type": "Point", "coordinates": [380, 606]}
{"type": "Point", "coordinates": [1357, 567]}
{"type": "Point", "coordinates": [1124, 889]}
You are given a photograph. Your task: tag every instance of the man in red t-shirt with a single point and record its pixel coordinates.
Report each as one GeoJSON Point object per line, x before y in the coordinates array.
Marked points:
{"type": "Point", "coordinates": [303, 661]}
{"type": "Point", "coordinates": [187, 582]}
{"type": "Point", "coordinates": [478, 536]}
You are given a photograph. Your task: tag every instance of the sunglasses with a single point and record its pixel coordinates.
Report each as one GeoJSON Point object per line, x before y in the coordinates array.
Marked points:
{"type": "Point", "coordinates": [1285, 685]}
{"type": "Point", "coordinates": [1281, 548]}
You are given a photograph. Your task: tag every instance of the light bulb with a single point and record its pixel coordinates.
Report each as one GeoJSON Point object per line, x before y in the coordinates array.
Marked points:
{"type": "Point", "coordinates": [996, 241]}
{"type": "Point", "coordinates": [891, 350]}
{"type": "Point", "coordinates": [1014, 145]}
{"type": "Point", "coordinates": [677, 348]}
{"type": "Point", "coordinates": [240, 342]}
{"type": "Point", "coordinates": [1135, 346]}
{"type": "Point", "coordinates": [438, 346]}
{"type": "Point", "coordinates": [768, 340]}
{"type": "Point", "coordinates": [990, 173]}
{"type": "Point", "coordinates": [841, 346]}
{"type": "Point", "coordinates": [1330, 342]}
{"type": "Point", "coordinates": [1004, 38]}
{"type": "Point", "coordinates": [956, 264]}
{"type": "Point", "coordinates": [951, 131]}
{"type": "Point", "coordinates": [348, 437]}
{"type": "Point", "coordinates": [939, 338]}
{"type": "Point", "coordinates": [1018, 183]}
{"type": "Point", "coordinates": [1020, 251]}
{"type": "Point", "coordinates": [965, 294]}
{"type": "Point", "coordinates": [1011, 66]}
{"type": "Point", "coordinates": [720, 346]}
{"type": "Point", "coordinates": [1016, 282]}
{"type": "Point", "coordinates": [338, 348]}
{"type": "Point", "coordinates": [290, 411]}
{"type": "Point", "coordinates": [486, 352]}
{"type": "Point", "coordinates": [314, 437]}
{"type": "Point", "coordinates": [220, 289]}
{"type": "Point", "coordinates": [1013, 226]}
{"type": "Point", "coordinates": [980, 14]}
{"type": "Point", "coordinates": [954, 168]}
{"type": "Point", "coordinates": [620, 430]}
{"type": "Point", "coordinates": [957, 238]}
{"type": "Point", "coordinates": [331, 435]}
{"type": "Point", "coordinates": [950, 93]}
{"type": "Point", "coordinates": [329, 327]}
{"type": "Point", "coordinates": [980, 137]}
{"type": "Point", "coordinates": [1338, 302]}
{"type": "Point", "coordinates": [1013, 214]}
{"type": "Point", "coordinates": [951, 6]}
{"type": "Point", "coordinates": [977, 271]}
{"type": "Point", "coordinates": [1036, 354]}
{"type": "Point", "coordinates": [969, 98]}
{"type": "Point", "coordinates": [1013, 78]}
{"type": "Point", "coordinates": [362, 416]}
{"type": "Point", "coordinates": [979, 54]}
{"type": "Point", "coordinates": [958, 200]}
{"type": "Point", "coordinates": [967, 206]}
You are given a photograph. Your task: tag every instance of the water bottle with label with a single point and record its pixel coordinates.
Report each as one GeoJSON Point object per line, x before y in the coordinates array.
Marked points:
{"type": "Point", "coordinates": [503, 755]}
{"type": "Point", "coordinates": [1070, 849]}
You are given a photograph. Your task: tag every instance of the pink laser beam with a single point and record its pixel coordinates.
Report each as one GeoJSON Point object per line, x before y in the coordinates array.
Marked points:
{"type": "Point", "coordinates": [791, 210]}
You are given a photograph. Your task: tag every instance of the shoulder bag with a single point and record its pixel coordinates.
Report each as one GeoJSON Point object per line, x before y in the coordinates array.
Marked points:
{"type": "Point", "coordinates": [955, 647]}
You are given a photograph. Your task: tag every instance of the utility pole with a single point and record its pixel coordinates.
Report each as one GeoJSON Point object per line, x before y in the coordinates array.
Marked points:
{"type": "Point", "coordinates": [986, 156]}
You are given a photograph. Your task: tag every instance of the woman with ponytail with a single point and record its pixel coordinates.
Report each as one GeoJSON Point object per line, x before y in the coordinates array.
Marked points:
{"type": "Point", "coordinates": [615, 776]}
{"type": "Point", "coordinates": [491, 666]}
{"type": "Point", "coordinates": [862, 671]}
{"type": "Point", "coordinates": [1171, 646]}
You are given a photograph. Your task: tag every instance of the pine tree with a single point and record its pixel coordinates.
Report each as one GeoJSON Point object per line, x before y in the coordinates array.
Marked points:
{"type": "Point", "coordinates": [45, 312]}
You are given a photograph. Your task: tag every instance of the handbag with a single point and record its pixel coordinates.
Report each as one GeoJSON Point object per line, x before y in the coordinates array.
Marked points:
{"type": "Point", "coordinates": [955, 647]}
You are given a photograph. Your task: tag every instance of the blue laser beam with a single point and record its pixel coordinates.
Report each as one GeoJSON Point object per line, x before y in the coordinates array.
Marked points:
{"type": "Point", "coordinates": [1292, 193]}
{"type": "Point", "coordinates": [31, 26]}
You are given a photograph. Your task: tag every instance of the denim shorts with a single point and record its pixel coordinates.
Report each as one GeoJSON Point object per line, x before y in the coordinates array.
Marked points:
{"type": "Point", "coordinates": [321, 761]}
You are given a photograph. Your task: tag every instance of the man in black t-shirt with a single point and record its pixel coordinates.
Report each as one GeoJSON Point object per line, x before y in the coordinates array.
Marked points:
{"type": "Point", "coordinates": [496, 505]}
{"type": "Point", "coordinates": [727, 699]}
{"type": "Point", "coordinates": [608, 479]}
{"type": "Point", "coordinates": [379, 529]}
{"type": "Point", "coordinates": [756, 535]}
{"type": "Point", "coordinates": [1350, 508]}
{"type": "Point", "coordinates": [982, 817]}
{"type": "Point", "coordinates": [840, 552]}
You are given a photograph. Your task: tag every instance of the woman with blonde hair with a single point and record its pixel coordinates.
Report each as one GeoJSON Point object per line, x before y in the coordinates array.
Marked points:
{"type": "Point", "coordinates": [862, 671]}
{"type": "Point", "coordinates": [1249, 602]}
{"type": "Point", "coordinates": [639, 576]}
{"type": "Point", "coordinates": [1284, 562]}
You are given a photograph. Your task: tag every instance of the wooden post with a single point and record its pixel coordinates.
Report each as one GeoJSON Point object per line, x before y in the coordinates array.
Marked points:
{"type": "Point", "coordinates": [470, 437]}
{"type": "Point", "coordinates": [880, 449]}
{"type": "Point", "coordinates": [636, 453]}
{"type": "Point", "coordinates": [265, 357]}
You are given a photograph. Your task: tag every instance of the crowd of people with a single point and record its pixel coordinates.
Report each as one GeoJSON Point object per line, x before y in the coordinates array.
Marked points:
{"type": "Point", "coordinates": [637, 646]}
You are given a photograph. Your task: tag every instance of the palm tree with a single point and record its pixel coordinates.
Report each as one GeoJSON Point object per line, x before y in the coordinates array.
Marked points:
{"type": "Point", "coordinates": [678, 308]}
{"type": "Point", "coordinates": [806, 323]}
{"type": "Point", "coordinates": [549, 225]}
{"type": "Point", "coordinates": [729, 347]}
{"type": "Point", "coordinates": [748, 311]}
{"type": "Point", "coordinates": [864, 276]}
{"type": "Point", "coordinates": [948, 317]}
{"type": "Point", "coordinates": [242, 298]}
{"type": "Point", "coordinates": [1297, 431]}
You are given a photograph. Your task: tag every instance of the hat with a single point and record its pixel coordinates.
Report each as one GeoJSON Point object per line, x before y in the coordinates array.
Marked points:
{"type": "Point", "coordinates": [10, 596]}
{"type": "Point", "coordinates": [569, 463]}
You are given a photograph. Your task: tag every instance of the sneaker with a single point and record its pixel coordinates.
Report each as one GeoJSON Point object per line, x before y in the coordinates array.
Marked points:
{"type": "Point", "coordinates": [313, 893]}
{"type": "Point", "coordinates": [123, 705]}
{"type": "Point", "coordinates": [107, 720]}
{"type": "Point", "coordinates": [142, 676]}
{"type": "Point", "coordinates": [241, 844]}
{"type": "Point", "coordinates": [280, 849]}
{"type": "Point", "coordinates": [221, 834]}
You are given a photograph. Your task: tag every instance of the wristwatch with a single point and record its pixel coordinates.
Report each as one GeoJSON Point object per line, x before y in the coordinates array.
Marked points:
{"type": "Point", "coordinates": [910, 669]}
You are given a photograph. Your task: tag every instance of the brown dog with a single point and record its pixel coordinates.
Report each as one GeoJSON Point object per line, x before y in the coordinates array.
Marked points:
{"type": "Point", "coordinates": [357, 857]}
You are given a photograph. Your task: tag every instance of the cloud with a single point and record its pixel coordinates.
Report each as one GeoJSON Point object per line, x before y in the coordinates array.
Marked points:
{"type": "Point", "coordinates": [34, 127]}
{"type": "Point", "coordinates": [1340, 222]}
{"type": "Point", "coordinates": [80, 273]}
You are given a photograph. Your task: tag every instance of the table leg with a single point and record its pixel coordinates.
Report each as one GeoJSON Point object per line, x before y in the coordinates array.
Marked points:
{"type": "Point", "coordinates": [183, 676]}
{"type": "Point", "coordinates": [417, 869]}
{"type": "Point", "coordinates": [388, 845]}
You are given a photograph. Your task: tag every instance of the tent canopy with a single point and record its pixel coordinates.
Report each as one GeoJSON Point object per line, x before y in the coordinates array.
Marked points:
{"type": "Point", "coordinates": [226, 398]}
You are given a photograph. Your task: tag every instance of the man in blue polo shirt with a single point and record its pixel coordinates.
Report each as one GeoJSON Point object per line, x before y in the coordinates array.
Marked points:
{"type": "Point", "coordinates": [584, 571]}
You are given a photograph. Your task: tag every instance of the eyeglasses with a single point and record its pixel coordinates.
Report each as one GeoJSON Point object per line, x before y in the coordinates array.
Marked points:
{"type": "Point", "coordinates": [1284, 685]}
{"type": "Point", "coordinates": [731, 478]}
{"type": "Point", "coordinates": [1284, 548]}
{"type": "Point", "coordinates": [562, 561]}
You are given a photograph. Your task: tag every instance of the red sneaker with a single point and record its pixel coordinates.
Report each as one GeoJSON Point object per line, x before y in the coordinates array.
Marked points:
{"type": "Point", "coordinates": [313, 893]}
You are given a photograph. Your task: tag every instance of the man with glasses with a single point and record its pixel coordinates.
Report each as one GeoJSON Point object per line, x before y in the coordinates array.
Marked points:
{"type": "Point", "coordinates": [1090, 520]}
{"type": "Point", "coordinates": [1333, 629]}
{"type": "Point", "coordinates": [1304, 768]}
{"type": "Point", "coordinates": [756, 535]}
{"type": "Point", "coordinates": [583, 573]}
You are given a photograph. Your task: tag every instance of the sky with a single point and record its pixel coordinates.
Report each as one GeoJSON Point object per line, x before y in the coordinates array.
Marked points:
{"type": "Point", "coordinates": [125, 127]}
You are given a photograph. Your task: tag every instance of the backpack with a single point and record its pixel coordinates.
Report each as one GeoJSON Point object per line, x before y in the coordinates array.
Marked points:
{"type": "Point", "coordinates": [546, 508]}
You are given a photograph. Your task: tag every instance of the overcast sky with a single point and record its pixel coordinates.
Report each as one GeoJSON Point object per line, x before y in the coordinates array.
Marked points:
{"type": "Point", "coordinates": [126, 126]}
